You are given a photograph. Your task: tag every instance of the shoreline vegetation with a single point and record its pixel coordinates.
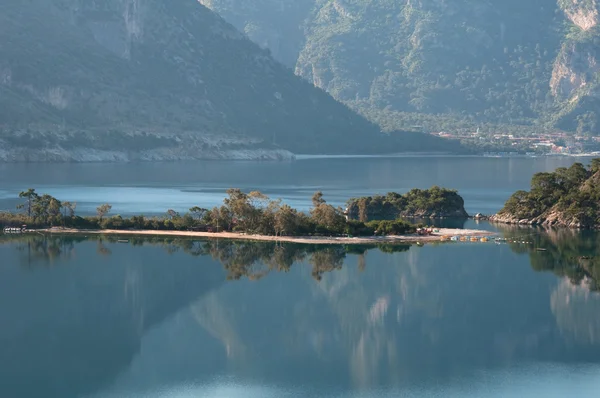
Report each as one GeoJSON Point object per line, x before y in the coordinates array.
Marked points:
{"type": "Point", "coordinates": [254, 216]}
{"type": "Point", "coordinates": [567, 197]}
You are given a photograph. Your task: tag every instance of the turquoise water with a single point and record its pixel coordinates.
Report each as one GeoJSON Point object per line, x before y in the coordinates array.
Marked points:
{"type": "Point", "coordinates": [182, 318]}
{"type": "Point", "coordinates": [153, 188]}
{"type": "Point", "coordinates": [90, 317]}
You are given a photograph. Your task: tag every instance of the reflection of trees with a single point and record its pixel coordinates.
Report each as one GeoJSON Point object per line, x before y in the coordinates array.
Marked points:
{"type": "Point", "coordinates": [575, 257]}
{"type": "Point", "coordinates": [43, 249]}
{"type": "Point", "coordinates": [241, 259]}
{"type": "Point", "coordinates": [327, 260]}
{"type": "Point", "coordinates": [567, 253]}
{"type": "Point", "coordinates": [254, 260]}
{"type": "Point", "coordinates": [102, 249]}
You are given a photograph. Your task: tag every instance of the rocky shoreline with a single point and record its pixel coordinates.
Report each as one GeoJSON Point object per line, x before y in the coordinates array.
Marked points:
{"type": "Point", "coordinates": [89, 155]}
{"type": "Point", "coordinates": [554, 219]}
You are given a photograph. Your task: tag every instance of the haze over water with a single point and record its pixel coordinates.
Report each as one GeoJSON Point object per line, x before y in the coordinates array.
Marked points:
{"type": "Point", "coordinates": [83, 317]}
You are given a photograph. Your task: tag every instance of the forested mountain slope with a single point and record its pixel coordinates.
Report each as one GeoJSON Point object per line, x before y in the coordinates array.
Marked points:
{"type": "Point", "coordinates": [147, 74]}
{"type": "Point", "coordinates": [496, 61]}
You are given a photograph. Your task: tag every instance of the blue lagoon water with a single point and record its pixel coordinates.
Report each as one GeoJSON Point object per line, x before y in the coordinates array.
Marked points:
{"type": "Point", "coordinates": [165, 317]}
{"type": "Point", "coordinates": [153, 188]}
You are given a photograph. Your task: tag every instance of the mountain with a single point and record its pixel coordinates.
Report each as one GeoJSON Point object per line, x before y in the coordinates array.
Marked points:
{"type": "Point", "coordinates": [159, 79]}
{"type": "Point", "coordinates": [441, 63]}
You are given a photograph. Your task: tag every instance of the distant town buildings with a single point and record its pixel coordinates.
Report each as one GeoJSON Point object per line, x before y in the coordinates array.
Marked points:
{"type": "Point", "coordinates": [547, 143]}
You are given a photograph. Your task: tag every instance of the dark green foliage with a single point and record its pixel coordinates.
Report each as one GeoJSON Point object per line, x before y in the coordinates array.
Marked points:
{"type": "Point", "coordinates": [359, 228]}
{"type": "Point", "coordinates": [433, 202]}
{"type": "Point", "coordinates": [252, 213]}
{"type": "Point", "coordinates": [387, 227]}
{"type": "Point", "coordinates": [439, 64]}
{"type": "Point", "coordinates": [573, 194]}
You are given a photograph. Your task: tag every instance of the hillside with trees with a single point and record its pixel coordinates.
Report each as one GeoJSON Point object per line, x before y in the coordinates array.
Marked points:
{"type": "Point", "coordinates": [567, 197]}
{"type": "Point", "coordinates": [446, 64]}
{"type": "Point", "coordinates": [160, 80]}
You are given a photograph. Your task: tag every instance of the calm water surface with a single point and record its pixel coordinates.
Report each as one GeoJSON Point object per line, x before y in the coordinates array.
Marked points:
{"type": "Point", "coordinates": [90, 318]}
{"type": "Point", "coordinates": [152, 188]}
{"type": "Point", "coordinates": [82, 317]}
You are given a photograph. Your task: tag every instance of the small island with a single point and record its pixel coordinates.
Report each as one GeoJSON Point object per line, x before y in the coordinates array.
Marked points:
{"type": "Point", "coordinates": [435, 202]}
{"type": "Point", "coordinates": [254, 216]}
{"type": "Point", "coordinates": [567, 197]}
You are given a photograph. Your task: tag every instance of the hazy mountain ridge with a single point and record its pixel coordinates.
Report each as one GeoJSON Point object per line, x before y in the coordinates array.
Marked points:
{"type": "Point", "coordinates": [497, 61]}
{"type": "Point", "coordinates": [171, 70]}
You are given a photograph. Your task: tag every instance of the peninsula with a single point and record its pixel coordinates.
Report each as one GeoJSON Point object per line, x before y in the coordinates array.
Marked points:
{"type": "Point", "coordinates": [441, 234]}
{"type": "Point", "coordinates": [567, 197]}
{"type": "Point", "coordinates": [248, 216]}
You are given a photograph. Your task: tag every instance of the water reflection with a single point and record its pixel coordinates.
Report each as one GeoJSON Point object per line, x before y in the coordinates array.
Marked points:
{"type": "Point", "coordinates": [72, 319]}
{"type": "Point", "coordinates": [98, 317]}
{"type": "Point", "coordinates": [240, 259]}
{"type": "Point", "coordinates": [571, 254]}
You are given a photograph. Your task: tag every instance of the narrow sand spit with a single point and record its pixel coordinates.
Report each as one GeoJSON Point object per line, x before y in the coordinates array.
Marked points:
{"type": "Point", "coordinates": [436, 237]}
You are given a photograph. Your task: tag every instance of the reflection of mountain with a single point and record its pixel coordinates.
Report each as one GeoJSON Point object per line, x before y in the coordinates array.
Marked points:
{"type": "Point", "coordinates": [73, 319]}
{"type": "Point", "coordinates": [432, 313]}
{"type": "Point", "coordinates": [373, 319]}
{"type": "Point", "coordinates": [577, 312]}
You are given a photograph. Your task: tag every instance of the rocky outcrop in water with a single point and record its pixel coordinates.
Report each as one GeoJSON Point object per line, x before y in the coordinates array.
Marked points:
{"type": "Point", "coordinates": [564, 198]}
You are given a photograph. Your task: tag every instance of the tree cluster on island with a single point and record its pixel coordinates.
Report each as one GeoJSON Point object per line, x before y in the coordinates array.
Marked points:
{"type": "Point", "coordinates": [435, 202]}
{"type": "Point", "coordinates": [567, 197]}
{"type": "Point", "coordinates": [250, 213]}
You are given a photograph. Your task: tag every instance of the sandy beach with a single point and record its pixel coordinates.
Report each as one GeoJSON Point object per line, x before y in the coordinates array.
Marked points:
{"type": "Point", "coordinates": [435, 237]}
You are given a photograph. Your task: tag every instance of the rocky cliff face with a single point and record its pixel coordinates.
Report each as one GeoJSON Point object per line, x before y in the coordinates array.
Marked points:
{"type": "Point", "coordinates": [575, 82]}
{"type": "Point", "coordinates": [501, 61]}
{"type": "Point", "coordinates": [275, 25]}
{"type": "Point", "coordinates": [165, 68]}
